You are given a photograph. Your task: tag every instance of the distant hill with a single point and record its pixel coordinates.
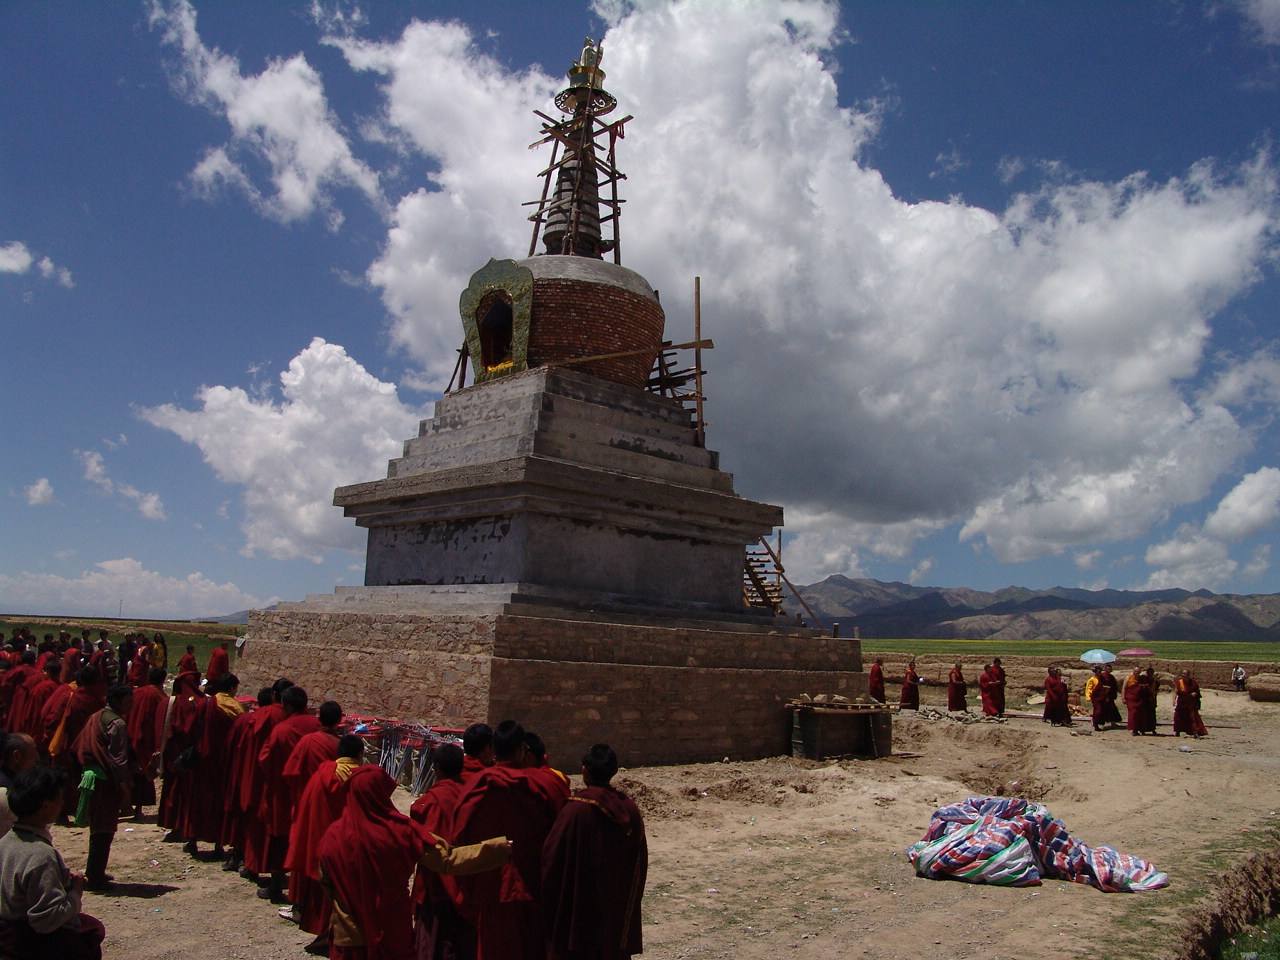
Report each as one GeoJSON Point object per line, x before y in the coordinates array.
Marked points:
{"type": "Point", "coordinates": [891, 610]}
{"type": "Point", "coordinates": [240, 616]}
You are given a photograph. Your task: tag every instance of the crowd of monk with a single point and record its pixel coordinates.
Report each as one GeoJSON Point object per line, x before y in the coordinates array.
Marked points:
{"type": "Point", "coordinates": [1102, 692]}
{"type": "Point", "coordinates": [506, 861]}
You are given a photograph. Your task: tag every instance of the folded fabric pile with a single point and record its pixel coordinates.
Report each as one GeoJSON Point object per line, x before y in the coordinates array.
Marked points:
{"type": "Point", "coordinates": [1014, 842]}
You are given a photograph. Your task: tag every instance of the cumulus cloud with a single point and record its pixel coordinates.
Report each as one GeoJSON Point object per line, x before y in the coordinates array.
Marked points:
{"type": "Point", "coordinates": [15, 257]}
{"type": "Point", "coordinates": [279, 117]}
{"type": "Point", "coordinates": [1042, 378]}
{"type": "Point", "coordinates": [1264, 17]}
{"type": "Point", "coordinates": [1199, 556]}
{"type": "Point", "coordinates": [95, 471]}
{"type": "Point", "coordinates": [334, 424]}
{"type": "Point", "coordinates": [40, 493]}
{"type": "Point", "coordinates": [124, 584]}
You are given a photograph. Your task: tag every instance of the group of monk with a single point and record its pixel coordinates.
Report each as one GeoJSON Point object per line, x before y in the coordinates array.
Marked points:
{"type": "Point", "coordinates": [510, 863]}
{"type": "Point", "coordinates": [1103, 692]}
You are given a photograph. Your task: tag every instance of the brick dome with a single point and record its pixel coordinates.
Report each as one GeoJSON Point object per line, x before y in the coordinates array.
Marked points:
{"type": "Point", "coordinates": [584, 308]}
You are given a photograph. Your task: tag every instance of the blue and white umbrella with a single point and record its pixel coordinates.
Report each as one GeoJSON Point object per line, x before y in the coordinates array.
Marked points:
{"type": "Point", "coordinates": [1097, 655]}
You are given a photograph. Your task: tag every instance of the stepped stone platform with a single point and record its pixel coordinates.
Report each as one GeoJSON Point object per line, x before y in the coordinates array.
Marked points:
{"type": "Point", "coordinates": [556, 548]}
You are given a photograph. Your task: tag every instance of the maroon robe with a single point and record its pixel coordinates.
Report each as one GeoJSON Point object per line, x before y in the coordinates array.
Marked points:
{"type": "Point", "coordinates": [233, 817]}
{"type": "Point", "coordinates": [84, 703]}
{"type": "Point", "coordinates": [312, 750]}
{"type": "Point", "coordinates": [14, 680]}
{"type": "Point", "coordinates": [909, 698]}
{"type": "Point", "coordinates": [997, 690]}
{"type": "Point", "coordinates": [72, 660]}
{"type": "Point", "coordinates": [1056, 710]}
{"type": "Point", "coordinates": [955, 690]}
{"type": "Point", "coordinates": [253, 785]}
{"type": "Point", "coordinates": [1186, 708]}
{"type": "Point", "coordinates": [187, 664]}
{"type": "Point", "coordinates": [987, 686]}
{"type": "Point", "coordinates": [28, 701]}
{"type": "Point", "coordinates": [1134, 698]}
{"type": "Point", "coordinates": [594, 865]}
{"type": "Point", "coordinates": [184, 728]}
{"type": "Point", "coordinates": [219, 664]}
{"type": "Point", "coordinates": [211, 775]}
{"type": "Point", "coordinates": [276, 806]}
{"type": "Point", "coordinates": [875, 683]}
{"type": "Point", "coordinates": [146, 726]}
{"type": "Point", "coordinates": [503, 801]}
{"type": "Point", "coordinates": [320, 804]}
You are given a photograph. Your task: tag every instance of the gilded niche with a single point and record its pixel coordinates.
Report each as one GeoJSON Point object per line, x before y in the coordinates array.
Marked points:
{"type": "Point", "coordinates": [496, 310]}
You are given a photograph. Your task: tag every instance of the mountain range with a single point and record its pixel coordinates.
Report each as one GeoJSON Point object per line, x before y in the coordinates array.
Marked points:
{"type": "Point", "coordinates": [900, 610]}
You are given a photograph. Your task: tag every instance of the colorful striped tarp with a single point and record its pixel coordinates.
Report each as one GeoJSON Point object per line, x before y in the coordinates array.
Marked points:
{"type": "Point", "coordinates": [1014, 842]}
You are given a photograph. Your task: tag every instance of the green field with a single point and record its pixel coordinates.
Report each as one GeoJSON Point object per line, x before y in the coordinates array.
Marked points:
{"type": "Point", "coordinates": [985, 649]}
{"type": "Point", "coordinates": [177, 634]}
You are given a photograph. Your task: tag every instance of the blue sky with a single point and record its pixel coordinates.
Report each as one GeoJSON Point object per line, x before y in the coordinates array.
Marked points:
{"type": "Point", "coordinates": [993, 285]}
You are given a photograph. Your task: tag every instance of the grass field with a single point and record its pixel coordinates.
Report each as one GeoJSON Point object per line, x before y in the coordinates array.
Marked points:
{"type": "Point", "coordinates": [1221, 650]}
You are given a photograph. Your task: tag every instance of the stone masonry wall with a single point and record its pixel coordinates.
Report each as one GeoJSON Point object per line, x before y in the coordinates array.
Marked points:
{"type": "Point", "coordinates": [658, 694]}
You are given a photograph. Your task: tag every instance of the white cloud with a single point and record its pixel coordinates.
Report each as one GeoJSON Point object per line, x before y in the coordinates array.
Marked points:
{"type": "Point", "coordinates": [1253, 506]}
{"type": "Point", "coordinates": [15, 257]}
{"type": "Point", "coordinates": [40, 493]}
{"type": "Point", "coordinates": [124, 584]}
{"type": "Point", "coordinates": [920, 571]}
{"type": "Point", "coordinates": [1259, 563]}
{"type": "Point", "coordinates": [95, 471]}
{"type": "Point", "coordinates": [1044, 377]}
{"type": "Point", "coordinates": [1198, 556]}
{"type": "Point", "coordinates": [1264, 17]}
{"type": "Point", "coordinates": [279, 117]}
{"type": "Point", "coordinates": [1087, 559]}
{"type": "Point", "coordinates": [335, 424]}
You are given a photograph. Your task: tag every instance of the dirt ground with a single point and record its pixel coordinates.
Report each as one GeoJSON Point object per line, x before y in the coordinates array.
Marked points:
{"type": "Point", "coordinates": [786, 857]}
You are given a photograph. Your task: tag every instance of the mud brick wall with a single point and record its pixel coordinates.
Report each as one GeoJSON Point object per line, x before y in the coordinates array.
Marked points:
{"type": "Point", "coordinates": [657, 694]}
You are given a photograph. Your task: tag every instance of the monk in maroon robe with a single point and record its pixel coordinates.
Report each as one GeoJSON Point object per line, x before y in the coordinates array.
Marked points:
{"type": "Point", "coordinates": [253, 782]}
{"type": "Point", "coordinates": [87, 699]}
{"type": "Point", "coordinates": [441, 929]}
{"type": "Point", "coordinates": [875, 681]}
{"type": "Point", "coordinates": [1109, 690]}
{"type": "Point", "coordinates": [998, 687]}
{"type": "Point", "coordinates": [553, 784]}
{"type": "Point", "coordinates": [276, 806]}
{"type": "Point", "coordinates": [184, 729]}
{"type": "Point", "coordinates": [366, 858]}
{"type": "Point", "coordinates": [30, 698]}
{"type": "Point", "coordinates": [14, 681]}
{"type": "Point", "coordinates": [1186, 707]}
{"type": "Point", "coordinates": [146, 727]}
{"type": "Point", "coordinates": [139, 667]}
{"type": "Point", "coordinates": [1056, 709]}
{"type": "Point", "coordinates": [987, 688]}
{"type": "Point", "coordinates": [594, 863]}
{"type": "Point", "coordinates": [187, 662]}
{"type": "Point", "coordinates": [1149, 707]}
{"type": "Point", "coordinates": [477, 749]}
{"type": "Point", "coordinates": [72, 661]}
{"type": "Point", "coordinates": [909, 698]}
{"type": "Point", "coordinates": [219, 663]}
{"type": "Point", "coordinates": [1134, 697]}
{"type": "Point", "coordinates": [313, 749]}
{"type": "Point", "coordinates": [209, 781]}
{"type": "Point", "coordinates": [503, 800]}
{"type": "Point", "coordinates": [320, 804]}
{"type": "Point", "coordinates": [235, 821]}
{"type": "Point", "coordinates": [956, 687]}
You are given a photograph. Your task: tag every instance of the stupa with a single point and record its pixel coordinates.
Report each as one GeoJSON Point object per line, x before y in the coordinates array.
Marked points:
{"type": "Point", "coordinates": [557, 544]}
